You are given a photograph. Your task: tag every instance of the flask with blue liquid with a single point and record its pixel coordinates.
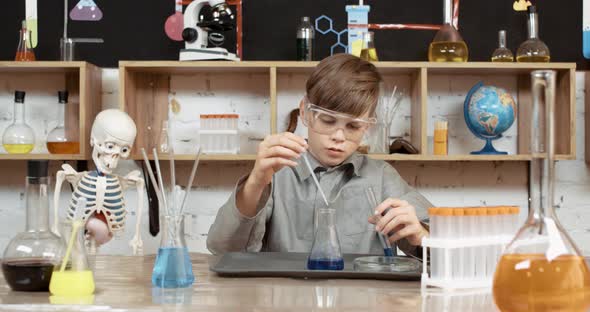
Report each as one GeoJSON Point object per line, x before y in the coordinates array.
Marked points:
{"type": "Point", "coordinates": [325, 252]}
{"type": "Point", "coordinates": [173, 267]}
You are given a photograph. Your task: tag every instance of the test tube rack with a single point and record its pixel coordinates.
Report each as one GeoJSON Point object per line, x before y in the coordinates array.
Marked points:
{"type": "Point", "coordinates": [219, 134]}
{"type": "Point", "coordinates": [465, 245]}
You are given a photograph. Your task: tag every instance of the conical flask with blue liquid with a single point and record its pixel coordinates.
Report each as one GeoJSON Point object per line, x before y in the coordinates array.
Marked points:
{"type": "Point", "coordinates": [173, 267]}
{"type": "Point", "coordinates": [325, 252]}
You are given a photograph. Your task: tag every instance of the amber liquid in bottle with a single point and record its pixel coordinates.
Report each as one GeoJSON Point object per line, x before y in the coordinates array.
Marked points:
{"type": "Point", "coordinates": [533, 58]}
{"type": "Point", "coordinates": [527, 282]}
{"type": "Point", "coordinates": [63, 147]}
{"type": "Point", "coordinates": [369, 55]}
{"type": "Point", "coordinates": [448, 51]}
{"type": "Point", "coordinates": [502, 59]}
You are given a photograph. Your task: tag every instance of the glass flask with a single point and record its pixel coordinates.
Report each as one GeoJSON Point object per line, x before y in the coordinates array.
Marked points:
{"type": "Point", "coordinates": [62, 140]}
{"type": "Point", "coordinates": [173, 267]}
{"type": "Point", "coordinates": [502, 54]}
{"type": "Point", "coordinates": [533, 49]}
{"type": "Point", "coordinates": [30, 256]}
{"type": "Point", "coordinates": [542, 269]}
{"type": "Point", "coordinates": [73, 277]}
{"type": "Point", "coordinates": [19, 137]}
{"type": "Point", "coordinates": [325, 252]}
{"type": "Point", "coordinates": [305, 40]}
{"type": "Point", "coordinates": [162, 144]}
{"type": "Point", "coordinates": [369, 52]}
{"type": "Point", "coordinates": [448, 45]}
{"type": "Point", "coordinates": [24, 51]}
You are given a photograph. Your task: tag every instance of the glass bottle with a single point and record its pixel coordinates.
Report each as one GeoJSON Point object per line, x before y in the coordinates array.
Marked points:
{"type": "Point", "coordinates": [325, 252]}
{"type": "Point", "coordinates": [502, 54]}
{"type": "Point", "coordinates": [448, 45]}
{"type": "Point", "coordinates": [74, 278]}
{"type": "Point", "coordinates": [30, 256]}
{"type": "Point", "coordinates": [542, 269]}
{"type": "Point", "coordinates": [60, 141]}
{"type": "Point", "coordinates": [305, 40]}
{"type": "Point", "coordinates": [369, 52]}
{"type": "Point", "coordinates": [173, 267]}
{"type": "Point", "coordinates": [163, 138]}
{"type": "Point", "coordinates": [533, 49]}
{"type": "Point", "coordinates": [19, 137]}
{"type": "Point", "coordinates": [24, 51]}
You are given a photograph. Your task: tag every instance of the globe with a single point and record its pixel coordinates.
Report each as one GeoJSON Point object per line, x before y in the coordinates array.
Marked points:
{"type": "Point", "coordinates": [489, 111]}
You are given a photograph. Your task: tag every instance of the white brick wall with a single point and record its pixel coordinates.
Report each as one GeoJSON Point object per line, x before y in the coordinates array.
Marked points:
{"type": "Point", "coordinates": [444, 183]}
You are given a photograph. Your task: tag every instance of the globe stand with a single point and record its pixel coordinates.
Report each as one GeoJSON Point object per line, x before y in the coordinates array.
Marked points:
{"type": "Point", "coordinates": [489, 149]}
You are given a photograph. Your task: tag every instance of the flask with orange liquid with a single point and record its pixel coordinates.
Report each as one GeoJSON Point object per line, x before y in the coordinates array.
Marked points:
{"type": "Point", "coordinates": [24, 51]}
{"type": "Point", "coordinates": [542, 269]}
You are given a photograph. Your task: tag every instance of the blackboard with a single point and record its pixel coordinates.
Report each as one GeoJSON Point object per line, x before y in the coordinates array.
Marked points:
{"type": "Point", "coordinates": [134, 29]}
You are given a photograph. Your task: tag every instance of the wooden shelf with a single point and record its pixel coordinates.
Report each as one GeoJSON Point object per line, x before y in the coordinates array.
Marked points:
{"type": "Point", "coordinates": [42, 156]}
{"type": "Point", "coordinates": [212, 157]}
{"type": "Point", "coordinates": [145, 88]}
{"type": "Point", "coordinates": [83, 82]}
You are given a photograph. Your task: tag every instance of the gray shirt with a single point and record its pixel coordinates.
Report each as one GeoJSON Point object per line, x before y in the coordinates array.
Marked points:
{"type": "Point", "coordinates": [285, 212]}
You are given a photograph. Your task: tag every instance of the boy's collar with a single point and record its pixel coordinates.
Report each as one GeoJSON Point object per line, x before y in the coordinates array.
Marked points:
{"type": "Point", "coordinates": [355, 160]}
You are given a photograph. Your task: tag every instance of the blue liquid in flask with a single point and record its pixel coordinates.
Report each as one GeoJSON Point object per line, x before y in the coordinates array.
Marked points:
{"type": "Point", "coordinates": [586, 44]}
{"type": "Point", "coordinates": [325, 264]}
{"type": "Point", "coordinates": [173, 268]}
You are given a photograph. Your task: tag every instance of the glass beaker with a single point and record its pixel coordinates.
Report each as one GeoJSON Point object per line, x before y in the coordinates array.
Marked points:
{"type": "Point", "coordinates": [448, 45]}
{"type": "Point", "coordinates": [30, 256]}
{"type": "Point", "coordinates": [369, 52]}
{"type": "Point", "coordinates": [533, 49]}
{"type": "Point", "coordinates": [24, 51]}
{"type": "Point", "coordinates": [542, 269]}
{"type": "Point", "coordinates": [325, 252]}
{"type": "Point", "coordinates": [73, 276]}
{"type": "Point", "coordinates": [61, 140]}
{"type": "Point", "coordinates": [173, 267]}
{"type": "Point", "coordinates": [19, 137]}
{"type": "Point", "coordinates": [502, 53]}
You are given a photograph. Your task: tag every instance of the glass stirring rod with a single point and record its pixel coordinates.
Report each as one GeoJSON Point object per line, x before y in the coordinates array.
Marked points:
{"type": "Point", "coordinates": [387, 249]}
{"type": "Point", "coordinates": [315, 180]}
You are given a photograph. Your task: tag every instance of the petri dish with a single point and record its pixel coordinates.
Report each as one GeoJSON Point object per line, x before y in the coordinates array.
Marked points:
{"type": "Point", "coordinates": [387, 264]}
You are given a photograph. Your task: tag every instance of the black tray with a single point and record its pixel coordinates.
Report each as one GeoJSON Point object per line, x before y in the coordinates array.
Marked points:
{"type": "Point", "coordinates": [279, 264]}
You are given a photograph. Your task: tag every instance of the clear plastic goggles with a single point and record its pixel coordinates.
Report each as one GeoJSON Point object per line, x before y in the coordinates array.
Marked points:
{"type": "Point", "coordinates": [325, 121]}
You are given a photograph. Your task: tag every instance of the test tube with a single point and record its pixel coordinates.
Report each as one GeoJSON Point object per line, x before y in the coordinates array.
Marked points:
{"type": "Point", "coordinates": [480, 251]}
{"type": "Point", "coordinates": [495, 226]}
{"type": "Point", "coordinates": [434, 234]}
{"type": "Point", "coordinates": [469, 272]}
{"type": "Point", "coordinates": [459, 253]}
{"type": "Point", "coordinates": [446, 234]}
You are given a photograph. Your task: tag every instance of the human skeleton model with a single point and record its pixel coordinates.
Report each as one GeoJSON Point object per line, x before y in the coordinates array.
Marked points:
{"type": "Point", "coordinates": [112, 136]}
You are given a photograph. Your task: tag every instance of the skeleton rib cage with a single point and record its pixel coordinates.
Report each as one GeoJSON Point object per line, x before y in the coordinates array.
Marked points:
{"type": "Point", "coordinates": [104, 195]}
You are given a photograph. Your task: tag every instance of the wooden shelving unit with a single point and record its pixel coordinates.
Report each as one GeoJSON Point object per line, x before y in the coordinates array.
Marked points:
{"type": "Point", "coordinates": [145, 87]}
{"type": "Point", "coordinates": [83, 82]}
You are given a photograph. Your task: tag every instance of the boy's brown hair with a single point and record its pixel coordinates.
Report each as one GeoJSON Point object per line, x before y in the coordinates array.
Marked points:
{"type": "Point", "coordinates": [346, 84]}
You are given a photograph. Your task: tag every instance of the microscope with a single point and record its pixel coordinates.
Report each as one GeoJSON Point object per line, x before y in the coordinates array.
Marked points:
{"type": "Point", "coordinates": [196, 28]}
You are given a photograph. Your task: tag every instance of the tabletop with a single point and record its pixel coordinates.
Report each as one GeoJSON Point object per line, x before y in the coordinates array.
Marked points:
{"type": "Point", "coordinates": [124, 284]}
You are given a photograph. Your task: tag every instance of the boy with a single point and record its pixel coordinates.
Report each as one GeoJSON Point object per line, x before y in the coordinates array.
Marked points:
{"type": "Point", "coordinates": [272, 209]}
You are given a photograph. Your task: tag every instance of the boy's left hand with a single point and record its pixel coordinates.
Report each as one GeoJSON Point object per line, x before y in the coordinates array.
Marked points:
{"type": "Point", "coordinates": [401, 219]}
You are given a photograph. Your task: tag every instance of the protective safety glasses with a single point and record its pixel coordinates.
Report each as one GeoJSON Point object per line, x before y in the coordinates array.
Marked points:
{"type": "Point", "coordinates": [325, 121]}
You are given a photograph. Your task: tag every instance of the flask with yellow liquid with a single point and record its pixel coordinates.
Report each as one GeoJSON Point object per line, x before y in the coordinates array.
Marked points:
{"type": "Point", "coordinates": [448, 45]}
{"type": "Point", "coordinates": [533, 49]}
{"type": "Point", "coordinates": [73, 277]}
{"type": "Point", "coordinates": [369, 52]}
{"type": "Point", "coordinates": [502, 53]}
{"type": "Point", "coordinates": [542, 269]}
{"type": "Point", "coordinates": [19, 137]}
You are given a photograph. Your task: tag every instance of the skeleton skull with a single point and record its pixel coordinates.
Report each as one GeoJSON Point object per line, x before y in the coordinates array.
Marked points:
{"type": "Point", "coordinates": [112, 136]}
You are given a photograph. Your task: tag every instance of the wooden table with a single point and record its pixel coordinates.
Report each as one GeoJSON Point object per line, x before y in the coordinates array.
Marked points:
{"type": "Point", "coordinates": [124, 284]}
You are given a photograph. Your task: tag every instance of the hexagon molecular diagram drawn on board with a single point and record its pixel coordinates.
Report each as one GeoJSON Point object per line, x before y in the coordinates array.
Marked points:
{"type": "Point", "coordinates": [323, 20]}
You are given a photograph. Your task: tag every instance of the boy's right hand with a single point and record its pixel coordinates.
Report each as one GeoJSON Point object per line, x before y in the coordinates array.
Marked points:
{"type": "Point", "coordinates": [274, 153]}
